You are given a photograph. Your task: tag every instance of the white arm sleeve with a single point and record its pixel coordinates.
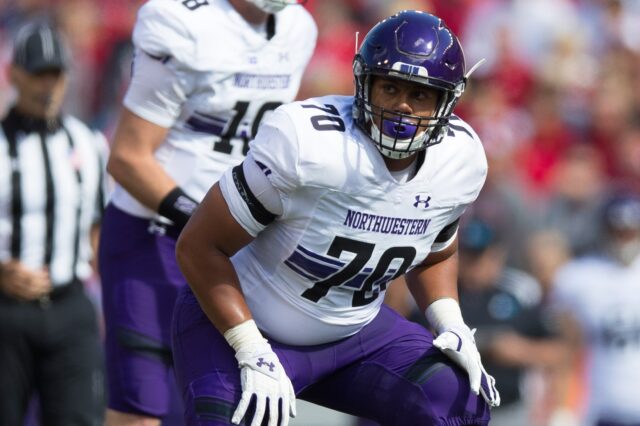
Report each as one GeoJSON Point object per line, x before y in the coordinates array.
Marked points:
{"type": "Point", "coordinates": [261, 186]}
{"type": "Point", "coordinates": [253, 201]}
{"type": "Point", "coordinates": [444, 314]}
{"type": "Point", "coordinates": [157, 90]}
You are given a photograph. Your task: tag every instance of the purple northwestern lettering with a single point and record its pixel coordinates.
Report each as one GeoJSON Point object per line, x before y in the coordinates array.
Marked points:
{"type": "Point", "coordinates": [349, 219]}
{"type": "Point", "coordinates": [363, 223]}
{"type": "Point", "coordinates": [385, 224]}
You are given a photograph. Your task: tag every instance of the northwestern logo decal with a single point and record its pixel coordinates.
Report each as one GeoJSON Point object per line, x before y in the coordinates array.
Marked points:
{"type": "Point", "coordinates": [261, 362]}
{"type": "Point", "coordinates": [404, 68]}
{"type": "Point", "coordinates": [386, 224]}
{"type": "Point", "coordinates": [409, 69]}
{"type": "Point", "coordinates": [423, 202]}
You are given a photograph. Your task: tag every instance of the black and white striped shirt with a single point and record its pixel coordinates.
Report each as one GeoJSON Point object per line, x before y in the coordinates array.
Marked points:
{"type": "Point", "coordinates": [51, 192]}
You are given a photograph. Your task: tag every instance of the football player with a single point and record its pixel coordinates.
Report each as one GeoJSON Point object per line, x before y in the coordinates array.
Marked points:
{"type": "Point", "coordinates": [598, 296]}
{"type": "Point", "coordinates": [289, 255]}
{"type": "Point", "coordinates": [205, 73]}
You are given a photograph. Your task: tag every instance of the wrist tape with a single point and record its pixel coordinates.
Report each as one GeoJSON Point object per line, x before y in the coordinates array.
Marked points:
{"type": "Point", "coordinates": [243, 335]}
{"type": "Point", "coordinates": [178, 207]}
{"type": "Point", "coordinates": [444, 314]}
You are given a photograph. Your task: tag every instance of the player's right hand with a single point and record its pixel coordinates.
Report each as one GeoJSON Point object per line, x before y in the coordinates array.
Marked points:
{"type": "Point", "coordinates": [263, 376]}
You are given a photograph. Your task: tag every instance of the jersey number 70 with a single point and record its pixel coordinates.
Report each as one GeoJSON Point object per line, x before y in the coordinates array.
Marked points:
{"type": "Point", "coordinates": [353, 273]}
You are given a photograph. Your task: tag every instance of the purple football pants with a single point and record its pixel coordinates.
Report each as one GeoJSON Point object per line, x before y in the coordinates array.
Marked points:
{"type": "Point", "coordinates": [389, 372]}
{"type": "Point", "coordinates": [140, 282]}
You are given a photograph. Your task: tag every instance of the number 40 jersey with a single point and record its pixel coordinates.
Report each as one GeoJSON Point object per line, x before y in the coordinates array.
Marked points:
{"type": "Point", "coordinates": [209, 76]}
{"type": "Point", "coordinates": [318, 271]}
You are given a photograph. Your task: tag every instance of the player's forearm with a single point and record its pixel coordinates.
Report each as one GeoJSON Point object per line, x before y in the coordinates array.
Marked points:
{"type": "Point", "coordinates": [132, 161]}
{"type": "Point", "coordinates": [434, 281]}
{"type": "Point", "coordinates": [142, 177]}
{"type": "Point", "coordinates": [213, 280]}
{"type": "Point", "coordinates": [223, 303]}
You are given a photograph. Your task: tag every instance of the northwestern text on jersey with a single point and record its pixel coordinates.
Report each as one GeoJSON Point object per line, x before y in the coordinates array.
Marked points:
{"type": "Point", "coordinates": [386, 224]}
{"type": "Point", "coordinates": [263, 82]}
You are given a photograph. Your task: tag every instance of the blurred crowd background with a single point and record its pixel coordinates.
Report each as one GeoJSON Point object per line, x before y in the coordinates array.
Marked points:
{"type": "Point", "coordinates": [556, 103]}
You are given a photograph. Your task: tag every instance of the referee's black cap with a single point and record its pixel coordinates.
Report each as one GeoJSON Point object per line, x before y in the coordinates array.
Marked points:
{"type": "Point", "coordinates": [39, 47]}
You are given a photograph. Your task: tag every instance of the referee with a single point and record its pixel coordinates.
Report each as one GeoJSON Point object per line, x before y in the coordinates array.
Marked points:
{"type": "Point", "coordinates": [51, 197]}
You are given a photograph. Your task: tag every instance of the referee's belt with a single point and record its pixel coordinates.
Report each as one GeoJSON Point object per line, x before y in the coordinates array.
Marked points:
{"type": "Point", "coordinates": [60, 291]}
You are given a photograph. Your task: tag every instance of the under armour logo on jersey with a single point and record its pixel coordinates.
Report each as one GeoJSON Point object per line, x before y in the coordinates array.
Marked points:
{"type": "Point", "coordinates": [422, 201]}
{"type": "Point", "coordinates": [261, 362]}
{"type": "Point", "coordinates": [283, 56]}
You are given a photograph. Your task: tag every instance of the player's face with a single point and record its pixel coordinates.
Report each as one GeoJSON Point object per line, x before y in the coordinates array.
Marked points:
{"type": "Point", "coordinates": [403, 97]}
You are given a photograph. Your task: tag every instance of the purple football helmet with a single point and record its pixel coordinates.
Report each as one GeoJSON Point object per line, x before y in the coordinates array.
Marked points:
{"type": "Point", "coordinates": [417, 47]}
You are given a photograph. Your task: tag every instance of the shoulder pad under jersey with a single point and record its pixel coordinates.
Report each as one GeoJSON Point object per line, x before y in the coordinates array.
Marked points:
{"type": "Point", "coordinates": [168, 28]}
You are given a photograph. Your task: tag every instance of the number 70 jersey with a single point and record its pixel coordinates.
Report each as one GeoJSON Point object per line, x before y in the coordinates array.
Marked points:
{"type": "Point", "coordinates": [319, 271]}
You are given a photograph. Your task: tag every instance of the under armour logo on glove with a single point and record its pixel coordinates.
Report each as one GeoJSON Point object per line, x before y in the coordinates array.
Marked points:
{"type": "Point", "coordinates": [460, 339]}
{"type": "Point", "coordinates": [261, 362]}
{"type": "Point", "coordinates": [268, 387]}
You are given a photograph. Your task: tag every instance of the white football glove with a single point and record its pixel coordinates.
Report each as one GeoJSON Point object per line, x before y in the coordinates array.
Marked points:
{"type": "Point", "coordinates": [456, 341]}
{"type": "Point", "coordinates": [262, 376]}
{"type": "Point", "coordinates": [459, 345]}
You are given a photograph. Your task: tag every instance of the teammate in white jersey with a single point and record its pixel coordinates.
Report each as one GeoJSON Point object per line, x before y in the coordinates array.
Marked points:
{"type": "Point", "coordinates": [600, 296]}
{"type": "Point", "coordinates": [205, 73]}
{"type": "Point", "coordinates": [290, 253]}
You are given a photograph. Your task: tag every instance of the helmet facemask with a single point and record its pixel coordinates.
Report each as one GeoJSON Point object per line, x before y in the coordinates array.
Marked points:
{"type": "Point", "coordinates": [398, 135]}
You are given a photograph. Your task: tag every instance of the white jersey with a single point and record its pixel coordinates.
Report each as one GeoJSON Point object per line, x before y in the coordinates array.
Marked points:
{"type": "Point", "coordinates": [319, 271]}
{"type": "Point", "coordinates": [204, 72]}
{"type": "Point", "coordinates": [604, 297]}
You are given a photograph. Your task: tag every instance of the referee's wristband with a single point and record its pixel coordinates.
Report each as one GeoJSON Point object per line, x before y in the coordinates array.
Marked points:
{"type": "Point", "coordinates": [178, 207]}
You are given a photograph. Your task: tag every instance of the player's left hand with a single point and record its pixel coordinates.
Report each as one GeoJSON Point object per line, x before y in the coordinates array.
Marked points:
{"type": "Point", "coordinates": [459, 344]}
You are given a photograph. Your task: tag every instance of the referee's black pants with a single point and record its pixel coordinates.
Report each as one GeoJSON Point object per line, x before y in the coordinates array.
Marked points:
{"type": "Point", "coordinates": [52, 348]}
